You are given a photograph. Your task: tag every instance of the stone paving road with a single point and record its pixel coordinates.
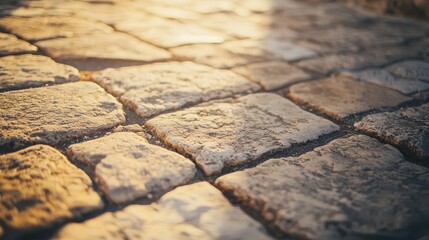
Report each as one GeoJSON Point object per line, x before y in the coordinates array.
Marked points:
{"type": "Point", "coordinates": [226, 119]}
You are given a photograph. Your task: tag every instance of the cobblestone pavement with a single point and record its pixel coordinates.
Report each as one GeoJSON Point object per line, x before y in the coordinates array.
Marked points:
{"type": "Point", "coordinates": [226, 119]}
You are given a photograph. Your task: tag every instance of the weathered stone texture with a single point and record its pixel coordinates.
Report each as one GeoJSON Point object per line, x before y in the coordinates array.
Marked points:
{"type": "Point", "coordinates": [411, 70]}
{"type": "Point", "coordinates": [231, 132]}
{"type": "Point", "coordinates": [25, 71]}
{"type": "Point", "coordinates": [408, 127]}
{"type": "Point", "coordinates": [354, 185]}
{"type": "Point", "coordinates": [156, 88]}
{"type": "Point", "coordinates": [128, 167]}
{"type": "Point", "coordinates": [9, 44]}
{"type": "Point", "coordinates": [197, 211]}
{"type": "Point", "coordinates": [40, 188]}
{"type": "Point", "coordinates": [56, 114]}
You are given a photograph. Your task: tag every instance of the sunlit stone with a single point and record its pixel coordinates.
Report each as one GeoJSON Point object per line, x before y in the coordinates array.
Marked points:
{"type": "Point", "coordinates": [9, 44]}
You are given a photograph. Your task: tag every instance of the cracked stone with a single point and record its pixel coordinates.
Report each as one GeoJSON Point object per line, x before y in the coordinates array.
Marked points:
{"type": "Point", "coordinates": [156, 88]}
{"type": "Point", "coordinates": [355, 185]}
{"type": "Point", "coordinates": [10, 44]}
{"type": "Point", "coordinates": [227, 133]}
{"type": "Point", "coordinates": [25, 71]}
{"type": "Point", "coordinates": [343, 96]}
{"type": "Point", "coordinates": [41, 188]}
{"type": "Point", "coordinates": [272, 75]}
{"type": "Point", "coordinates": [197, 211]}
{"type": "Point", "coordinates": [407, 128]}
{"type": "Point", "coordinates": [56, 114]}
{"type": "Point", "coordinates": [128, 167]}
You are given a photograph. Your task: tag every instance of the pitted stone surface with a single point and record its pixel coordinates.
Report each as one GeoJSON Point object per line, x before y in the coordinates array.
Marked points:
{"type": "Point", "coordinates": [355, 185]}
{"type": "Point", "coordinates": [47, 27]}
{"type": "Point", "coordinates": [128, 167]}
{"type": "Point", "coordinates": [231, 132]}
{"type": "Point", "coordinates": [40, 188]}
{"type": "Point", "coordinates": [56, 114]}
{"type": "Point", "coordinates": [24, 71]}
{"type": "Point", "coordinates": [342, 96]}
{"type": "Point", "coordinates": [272, 75]}
{"type": "Point", "coordinates": [197, 211]}
{"type": "Point", "coordinates": [412, 70]}
{"type": "Point", "coordinates": [9, 44]}
{"type": "Point", "coordinates": [156, 88]}
{"type": "Point", "coordinates": [408, 127]}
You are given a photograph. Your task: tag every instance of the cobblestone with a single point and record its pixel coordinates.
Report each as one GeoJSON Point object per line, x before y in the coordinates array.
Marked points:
{"type": "Point", "coordinates": [353, 185]}
{"type": "Point", "coordinates": [41, 188]}
{"type": "Point", "coordinates": [197, 211]}
{"type": "Point", "coordinates": [228, 133]}
{"type": "Point", "coordinates": [9, 44]}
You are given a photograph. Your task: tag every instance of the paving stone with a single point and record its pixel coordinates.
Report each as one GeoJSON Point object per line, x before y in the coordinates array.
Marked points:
{"type": "Point", "coordinates": [407, 128]}
{"type": "Point", "coordinates": [354, 185]}
{"type": "Point", "coordinates": [41, 188]}
{"type": "Point", "coordinates": [56, 114]}
{"type": "Point", "coordinates": [412, 70]}
{"type": "Point", "coordinates": [272, 75]}
{"type": "Point", "coordinates": [129, 128]}
{"type": "Point", "coordinates": [24, 71]}
{"type": "Point", "coordinates": [197, 211]}
{"type": "Point", "coordinates": [99, 51]}
{"type": "Point", "coordinates": [9, 44]}
{"type": "Point", "coordinates": [156, 88]}
{"type": "Point", "coordinates": [47, 27]}
{"type": "Point", "coordinates": [128, 167]}
{"type": "Point", "coordinates": [342, 96]}
{"type": "Point", "coordinates": [231, 132]}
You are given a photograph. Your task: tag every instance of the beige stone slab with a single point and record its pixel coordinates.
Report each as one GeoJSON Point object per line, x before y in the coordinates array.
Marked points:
{"type": "Point", "coordinates": [128, 167]}
{"type": "Point", "coordinates": [353, 187]}
{"type": "Point", "coordinates": [10, 44]}
{"type": "Point", "coordinates": [197, 211]}
{"type": "Point", "coordinates": [56, 114]}
{"type": "Point", "coordinates": [41, 188]}
{"type": "Point", "coordinates": [160, 87]}
{"type": "Point", "coordinates": [342, 96]}
{"type": "Point", "coordinates": [25, 71]}
{"type": "Point", "coordinates": [231, 132]}
{"type": "Point", "coordinates": [407, 128]}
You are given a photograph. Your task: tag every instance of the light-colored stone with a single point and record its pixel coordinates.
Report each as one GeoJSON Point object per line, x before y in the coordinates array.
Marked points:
{"type": "Point", "coordinates": [129, 128]}
{"type": "Point", "coordinates": [411, 70]}
{"type": "Point", "coordinates": [9, 44]}
{"type": "Point", "coordinates": [286, 50]}
{"type": "Point", "coordinates": [236, 131]}
{"type": "Point", "coordinates": [40, 188]}
{"type": "Point", "coordinates": [24, 71]}
{"type": "Point", "coordinates": [128, 167]}
{"type": "Point", "coordinates": [197, 211]}
{"type": "Point", "coordinates": [272, 75]}
{"type": "Point", "coordinates": [351, 187]}
{"type": "Point", "coordinates": [156, 88]}
{"type": "Point", "coordinates": [47, 27]}
{"type": "Point", "coordinates": [342, 96]}
{"type": "Point", "coordinates": [407, 128]}
{"type": "Point", "coordinates": [56, 114]}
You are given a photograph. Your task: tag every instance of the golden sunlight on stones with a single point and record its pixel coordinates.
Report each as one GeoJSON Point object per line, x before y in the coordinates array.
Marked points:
{"type": "Point", "coordinates": [353, 185]}
{"type": "Point", "coordinates": [41, 188]}
{"type": "Point", "coordinates": [56, 114]}
{"type": "Point", "coordinates": [197, 211]}
{"type": "Point", "coordinates": [156, 88]}
{"type": "Point", "coordinates": [128, 167]}
{"type": "Point", "coordinates": [236, 131]}
{"type": "Point", "coordinates": [9, 44]}
{"type": "Point", "coordinates": [25, 71]}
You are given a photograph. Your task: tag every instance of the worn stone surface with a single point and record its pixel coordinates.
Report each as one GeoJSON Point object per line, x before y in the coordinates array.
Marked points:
{"type": "Point", "coordinates": [56, 114]}
{"type": "Point", "coordinates": [40, 188]}
{"type": "Point", "coordinates": [9, 44]}
{"type": "Point", "coordinates": [156, 88]}
{"type": "Point", "coordinates": [99, 51]}
{"type": "Point", "coordinates": [129, 128]}
{"type": "Point", "coordinates": [197, 211]}
{"type": "Point", "coordinates": [47, 27]}
{"type": "Point", "coordinates": [231, 132]}
{"type": "Point", "coordinates": [286, 50]}
{"type": "Point", "coordinates": [354, 185]}
{"type": "Point", "coordinates": [272, 75]}
{"type": "Point", "coordinates": [410, 70]}
{"type": "Point", "coordinates": [408, 128]}
{"type": "Point", "coordinates": [128, 167]}
{"type": "Point", "coordinates": [342, 96]}
{"type": "Point", "coordinates": [24, 71]}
